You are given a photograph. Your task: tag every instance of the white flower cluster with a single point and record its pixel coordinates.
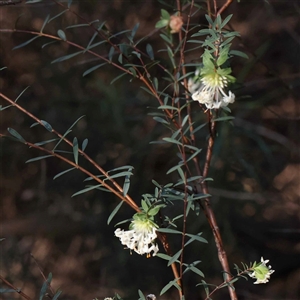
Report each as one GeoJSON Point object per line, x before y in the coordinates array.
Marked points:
{"type": "Point", "coordinates": [262, 272]}
{"type": "Point", "coordinates": [140, 237]}
{"type": "Point", "coordinates": [211, 91]}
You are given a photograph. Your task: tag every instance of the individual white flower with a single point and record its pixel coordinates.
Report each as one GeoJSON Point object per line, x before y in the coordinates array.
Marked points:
{"type": "Point", "coordinates": [211, 91]}
{"type": "Point", "coordinates": [261, 272]}
{"type": "Point", "coordinates": [140, 236]}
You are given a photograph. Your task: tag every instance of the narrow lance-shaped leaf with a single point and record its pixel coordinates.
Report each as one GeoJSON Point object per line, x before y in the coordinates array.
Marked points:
{"type": "Point", "coordinates": [121, 174]}
{"type": "Point", "coordinates": [47, 125]}
{"type": "Point", "coordinates": [126, 185]}
{"type": "Point", "coordinates": [134, 30]}
{"type": "Point", "coordinates": [66, 57]}
{"type": "Point", "coordinates": [26, 43]}
{"type": "Point", "coordinates": [37, 158]}
{"type": "Point", "coordinates": [45, 286]}
{"type": "Point", "coordinates": [21, 93]}
{"type": "Point", "coordinates": [87, 189]}
{"type": "Point", "coordinates": [118, 77]}
{"type": "Point", "coordinates": [84, 144]}
{"type": "Point", "coordinates": [169, 285]}
{"type": "Point", "coordinates": [63, 172]}
{"type": "Point", "coordinates": [90, 70]}
{"type": "Point", "coordinates": [57, 294]}
{"type": "Point", "coordinates": [15, 134]}
{"type": "Point", "coordinates": [149, 50]}
{"type": "Point", "coordinates": [111, 53]}
{"type": "Point", "coordinates": [75, 150]}
{"type": "Point", "coordinates": [173, 141]}
{"type": "Point", "coordinates": [56, 16]}
{"type": "Point", "coordinates": [142, 296]}
{"type": "Point", "coordinates": [45, 142]}
{"type": "Point", "coordinates": [113, 213]}
{"type": "Point", "coordinates": [67, 132]}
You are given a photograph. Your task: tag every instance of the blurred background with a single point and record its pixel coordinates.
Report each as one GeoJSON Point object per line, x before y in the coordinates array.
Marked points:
{"type": "Point", "coordinates": [255, 164]}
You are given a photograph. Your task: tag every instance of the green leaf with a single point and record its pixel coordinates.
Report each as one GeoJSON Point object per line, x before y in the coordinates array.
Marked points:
{"type": "Point", "coordinates": [67, 132]}
{"type": "Point", "coordinates": [113, 213]}
{"type": "Point", "coordinates": [45, 45]}
{"type": "Point", "coordinates": [161, 120]}
{"type": "Point", "coordinates": [171, 56]}
{"type": "Point", "coordinates": [168, 107]}
{"type": "Point", "coordinates": [167, 287]}
{"type": "Point", "coordinates": [126, 185]}
{"type": "Point", "coordinates": [84, 144]}
{"type": "Point", "coordinates": [63, 172]}
{"type": "Point", "coordinates": [163, 256]}
{"type": "Point", "coordinates": [45, 22]}
{"type": "Point", "coordinates": [134, 30]}
{"type": "Point", "coordinates": [238, 53]}
{"type": "Point", "coordinates": [75, 150]}
{"type": "Point", "coordinates": [154, 211]}
{"type": "Point", "coordinates": [142, 297]}
{"type": "Point", "coordinates": [37, 158]}
{"type": "Point", "coordinates": [162, 23]}
{"type": "Point", "coordinates": [82, 25]}
{"type": "Point", "coordinates": [45, 142]}
{"type": "Point", "coordinates": [62, 35]}
{"type": "Point", "coordinates": [209, 20]}
{"type": "Point", "coordinates": [15, 134]}
{"type": "Point", "coordinates": [66, 57]}
{"type": "Point", "coordinates": [121, 174]}
{"type": "Point", "coordinates": [26, 43]}
{"type": "Point", "coordinates": [21, 93]}
{"type": "Point", "coordinates": [173, 141]}
{"type": "Point", "coordinates": [90, 70]}
{"type": "Point", "coordinates": [118, 77]}
{"type": "Point", "coordinates": [47, 125]}
{"type": "Point", "coordinates": [43, 290]}
{"type": "Point", "coordinates": [121, 168]}
{"type": "Point", "coordinates": [164, 14]}
{"type": "Point", "coordinates": [86, 190]}
{"type": "Point", "coordinates": [149, 51]}
{"type": "Point", "coordinates": [57, 294]}
{"type": "Point", "coordinates": [144, 205]}
{"type": "Point", "coordinates": [223, 119]}
{"type": "Point", "coordinates": [58, 15]}
{"type": "Point", "coordinates": [45, 286]}
{"type": "Point", "coordinates": [195, 237]}
{"type": "Point", "coordinates": [227, 19]}
{"type": "Point", "coordinates": [111, 53]}
{"type": "Point", "coordinates": [147, 90]}
{"type": "Point", "coordinates": [197, 271]}
{"type": "Point", "coordinates": [174, 168]}
{"type": "Point", "coordinates": [169, 230]}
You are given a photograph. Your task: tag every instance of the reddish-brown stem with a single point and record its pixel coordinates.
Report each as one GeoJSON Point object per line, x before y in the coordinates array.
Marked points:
{"type": "Point", "coordinates": [42, 273]}
{"type": "Point", "coordinates": [13, 103]}
{"type": "Point", "coordinates": [14, 288]}
{"type": "Point", "coordinates": [126, 199]}
{"type": "Point", "coordinates": [209, 212]}
{"type": "Point", "coordinates": [228, 2]}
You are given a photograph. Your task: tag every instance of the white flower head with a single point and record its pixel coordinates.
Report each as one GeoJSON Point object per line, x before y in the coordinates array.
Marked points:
{"type": "Point", "coordinates": [261, 272]}
{"type": "Point", "coordinates": [140, 236]}
{"type": "Point", "coordinates": [211, 91]}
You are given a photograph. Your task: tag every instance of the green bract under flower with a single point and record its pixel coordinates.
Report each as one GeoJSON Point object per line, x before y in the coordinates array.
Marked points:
{"type": "Point", "coordinates": [210, 90]}
{"type": "Point", "coordinates": [140, 236]}
{"type": "Point", "coordinates": [261, 272]}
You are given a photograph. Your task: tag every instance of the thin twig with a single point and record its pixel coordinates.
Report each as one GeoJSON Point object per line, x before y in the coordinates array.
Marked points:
{"type": "Point", "coordinates": [42, 273]}
{"type": "Point", "coordinates": [14, 288]}
{"type": "Point", "coordinates": [228, 2]}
